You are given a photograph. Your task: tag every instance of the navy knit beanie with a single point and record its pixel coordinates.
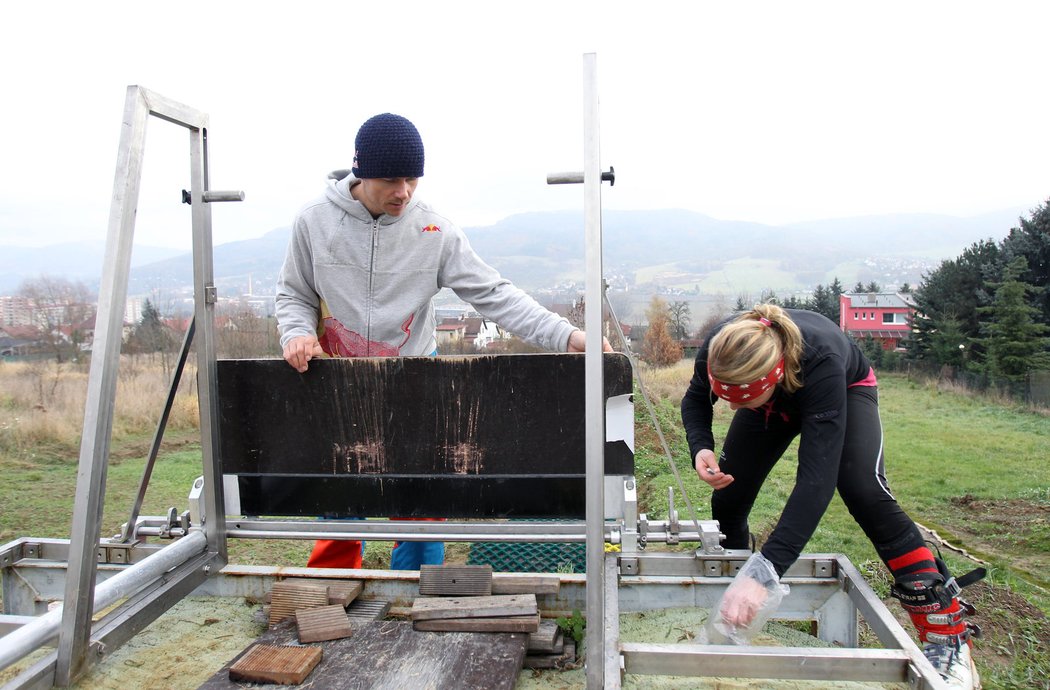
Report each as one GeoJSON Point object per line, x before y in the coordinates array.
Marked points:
{"type": "Point", "coordinates": [388, 145]}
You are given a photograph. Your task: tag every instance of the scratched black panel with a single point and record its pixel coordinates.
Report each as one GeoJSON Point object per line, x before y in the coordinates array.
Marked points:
{"type": "Point", "coordinates": [414, 497]}
{"type": "Point", "coordinates": [482, 436]}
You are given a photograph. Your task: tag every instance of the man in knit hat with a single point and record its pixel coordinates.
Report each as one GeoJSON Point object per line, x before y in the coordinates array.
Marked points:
{"type": "Point", "coordinates": [364, 262]}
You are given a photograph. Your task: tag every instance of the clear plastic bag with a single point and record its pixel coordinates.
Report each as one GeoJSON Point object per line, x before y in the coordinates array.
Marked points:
{"type": "Point", "coordinates": [747, 603]}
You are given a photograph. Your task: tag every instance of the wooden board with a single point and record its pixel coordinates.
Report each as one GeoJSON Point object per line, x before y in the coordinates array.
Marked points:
{"type": "Point", "coordinates": [322, 623]}
{"type": "Point", "coordinates": [390, 655]}
{"type": "Point", "coordinates": [339, 591]}
{"type": "Point", "coordinates": [505, 583]}
{"type": "Point", "coordinates": [484, 436]}
{"type": "Point", "coordinates": [265, 663]}
{"type": "Point", "coordinates": [289, 596]}
{"type": "Point", "coordinates": [361, 610]}
{"type": "Point", "coordinates": [455, 580]}
{"type": "Point", "coordinates": [523, 624]}
{"type": "Point", "coordinates": [547, 639]}
{"type": "Point", "coordinates": [565, 660]}
{"type": "Point", "coordinates": [424, 609]}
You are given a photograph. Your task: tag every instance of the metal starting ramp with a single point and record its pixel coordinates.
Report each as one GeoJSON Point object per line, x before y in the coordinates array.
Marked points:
{"type": "Point", "coordinates": [503, 437]}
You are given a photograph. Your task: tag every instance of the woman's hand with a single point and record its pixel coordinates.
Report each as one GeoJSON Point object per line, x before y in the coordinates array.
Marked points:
{"type": "Point", "coordinates": [708, 470]}
{"type": "Point", "coordinates": [749, 601]}
{"type": "Point", "coordinates": [742, 602]}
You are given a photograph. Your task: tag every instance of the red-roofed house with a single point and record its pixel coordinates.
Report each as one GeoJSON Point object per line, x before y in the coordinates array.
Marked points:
{"type": "Point", "coordinates": [882, 316]}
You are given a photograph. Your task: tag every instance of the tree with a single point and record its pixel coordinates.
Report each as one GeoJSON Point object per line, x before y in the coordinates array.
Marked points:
{"type": "Point", "coordinates": [955, 290]}
{"type": "Point", "coordinates": [60, 309]}
{"type": "Point", "coordinates": [872, 287]}
{"type": "Point", "coordinates": [1032, 241]}
{"type": "Point", "coordinates": [150, 334]}
{"type": "Point", "coordinates": [826, 301]}
{"type": "Point", "coordinates": [948, 344]}
{"type": "Point", "coordinates": [1013, 341]}
{"type": "Point", "coordinates": [658, 348]}
{"type": "Point", "coordinates": [679, 315]}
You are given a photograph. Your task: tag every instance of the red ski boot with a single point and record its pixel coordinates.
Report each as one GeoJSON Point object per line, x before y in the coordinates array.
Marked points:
{"type": "Point", "coordinates": [932, 601]}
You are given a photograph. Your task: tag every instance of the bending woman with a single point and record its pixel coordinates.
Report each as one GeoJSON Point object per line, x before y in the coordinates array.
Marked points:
{"type": "Point", "coordinates": [793, 373]}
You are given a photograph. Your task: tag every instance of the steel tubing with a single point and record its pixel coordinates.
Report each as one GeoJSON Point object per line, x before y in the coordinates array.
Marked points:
{"type": "Point", "coordinates": [43, 629]}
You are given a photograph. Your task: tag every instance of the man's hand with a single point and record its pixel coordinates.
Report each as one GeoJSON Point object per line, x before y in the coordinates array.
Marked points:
{"type": "Point", "coordinates": [301, 350]}
{"type": "Point", "coordinates": [578, 342]}
{"type": "Point", "coordinates": [708, 470]}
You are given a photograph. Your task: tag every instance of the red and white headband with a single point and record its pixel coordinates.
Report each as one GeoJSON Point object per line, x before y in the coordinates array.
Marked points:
{"type": "Point", "coordinates": [744, 392]}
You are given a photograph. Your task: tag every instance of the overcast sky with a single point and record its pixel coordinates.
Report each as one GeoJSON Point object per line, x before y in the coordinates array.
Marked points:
{"type": "Point", "coordinates": [765, 111]}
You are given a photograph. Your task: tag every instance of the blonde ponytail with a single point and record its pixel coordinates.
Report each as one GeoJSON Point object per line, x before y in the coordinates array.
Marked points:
{"type": "Point", "coordinates": [749, 346]}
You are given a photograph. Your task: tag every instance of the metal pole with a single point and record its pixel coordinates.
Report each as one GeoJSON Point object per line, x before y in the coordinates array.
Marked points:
{"type": "Point", "coordinates": [102, 386]}
{"type": "Point", "coordinates": [158, 436]}
{"type": "Point", "coordinates": [205, 297]}
{"type": "Point", "coordinates": [32, 636]}
{"type": "Point", "coordinates": [595, 406]}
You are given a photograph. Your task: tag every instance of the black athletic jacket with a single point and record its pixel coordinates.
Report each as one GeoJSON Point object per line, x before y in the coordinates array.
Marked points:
{"type": "Point", "coordinates": [831, 361]}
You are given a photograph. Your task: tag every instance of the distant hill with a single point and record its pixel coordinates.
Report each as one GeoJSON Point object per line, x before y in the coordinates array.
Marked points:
{"type": "Point", "coordinates": [673, 249]}
{"type": "Point", "coordinates": [72, 260]}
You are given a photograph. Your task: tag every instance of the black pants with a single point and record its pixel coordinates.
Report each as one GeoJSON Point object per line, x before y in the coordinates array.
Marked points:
{"type": "Point", "coordinates": [755, 443]}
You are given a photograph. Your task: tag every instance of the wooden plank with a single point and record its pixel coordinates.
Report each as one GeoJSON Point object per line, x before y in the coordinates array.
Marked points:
{"type": "Point", "coordinates": [276, 664]}
{"type": "Point", "coordinates": [505, 583]}
{"type": "Point", "coordinates": [322, 623]}
{"type": "Point", "coordinates": [339, 591]}
{"type": "Point", "coordinates": [474, 607]}
{"type": "Point", "coordinates": [567, 659]}
{"type": "Point", "coordinates": [361, 610]}
{"type": "Point", "coordinates": [455, 580]}
{"type": "Point", "coordinates": [289, 596]}
{"type": "Point", "coordinates": [389, 655]}
{"type": "Point", "coordinates": [523, 624]}
{"type": "Point", "coordinates": [548, 638]}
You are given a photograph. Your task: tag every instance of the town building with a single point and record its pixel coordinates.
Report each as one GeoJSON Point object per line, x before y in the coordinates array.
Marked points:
{"type": "Point", "coordinates": [882, 316]}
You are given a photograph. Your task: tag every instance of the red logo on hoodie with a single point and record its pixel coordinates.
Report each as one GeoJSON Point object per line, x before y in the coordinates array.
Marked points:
{"type": "Point", "coordinates": [431, 228]}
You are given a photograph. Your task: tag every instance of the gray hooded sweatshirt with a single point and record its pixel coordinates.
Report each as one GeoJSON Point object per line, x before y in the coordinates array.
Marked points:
{"type": "Point", "coordinates": [364, 286]}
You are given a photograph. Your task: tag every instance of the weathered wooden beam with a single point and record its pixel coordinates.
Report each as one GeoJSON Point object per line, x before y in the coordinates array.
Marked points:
{"type": "Point", "coordinates": [474, 607]}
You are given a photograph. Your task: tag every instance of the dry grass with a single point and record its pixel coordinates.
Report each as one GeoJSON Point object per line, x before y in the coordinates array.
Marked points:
{"type": "Point", "coordinates": [42, 403]}
{"type": "Point", "coordinates": [664, 383]}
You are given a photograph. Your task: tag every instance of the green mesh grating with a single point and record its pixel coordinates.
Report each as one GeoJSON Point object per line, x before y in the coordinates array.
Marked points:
{"type": "Point", "coordinates": [530, 557]}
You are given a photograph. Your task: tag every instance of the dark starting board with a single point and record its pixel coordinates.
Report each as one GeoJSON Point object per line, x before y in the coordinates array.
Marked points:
{"type": "Point", "coordinates": [486, 436]}
{"type": "Point", "coordinates": [391, 655]}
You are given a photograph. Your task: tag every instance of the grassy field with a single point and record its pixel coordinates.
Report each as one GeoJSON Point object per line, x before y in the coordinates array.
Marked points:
{"type": "Point", "coordinates": [973, 471]}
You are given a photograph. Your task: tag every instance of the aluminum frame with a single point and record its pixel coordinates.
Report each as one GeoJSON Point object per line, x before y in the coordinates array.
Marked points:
{"type": "Point", "coordinates": [72, 656]}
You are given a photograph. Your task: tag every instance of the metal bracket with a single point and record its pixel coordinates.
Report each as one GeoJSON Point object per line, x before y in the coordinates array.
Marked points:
{"type": "Point", "coordinates": [673, 528]}
{"type": "Point", "coordinates": [117, 553]}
